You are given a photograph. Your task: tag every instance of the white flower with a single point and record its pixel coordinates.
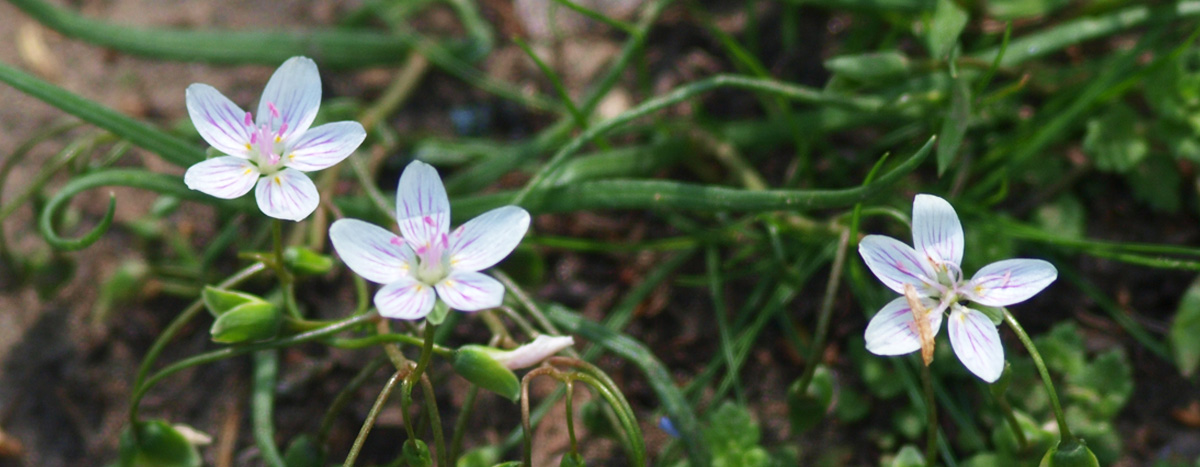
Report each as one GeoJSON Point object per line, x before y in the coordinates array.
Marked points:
{"type": "Point", "coordinates": [274, 150]}
{"type": "Point", "coordinates": [933, 270]}
{"type": "Point", "coordinates": [429, 257]}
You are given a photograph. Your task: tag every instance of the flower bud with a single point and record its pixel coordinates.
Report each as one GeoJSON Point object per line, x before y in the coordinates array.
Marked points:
{"type": "Point", "coordinates": [531, 354]}
{"type": "Point", "coordinates": [416, 453]}
{"type": "Point", "coordinates": [305, 261]}
{"type": "Point", "coordinates": [218, 301]}
{"type": "Point", "coordinates": [476, 364]}
{"type": "Point", "coordinates": [248, 322]}
{"type": "Point", "coordinates": [1073, 453]}
{"type": "Point", "coordinates": [156, 444]}
{"type": "Point", "coordinates": [572, 459]}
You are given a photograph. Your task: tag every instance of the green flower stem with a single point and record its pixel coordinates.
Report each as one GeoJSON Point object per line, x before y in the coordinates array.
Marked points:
{"type": "Point", "coordinates": [141, 389]}
{"type": "Point", "coordinates": [176, 325]}
{"type": "Point", "coordinates": [345, 395]}
{"type": "Point", "coordinates": [435, 420]}
{"type": "Point", "coordinates": [286, 280]}
{"type": "Point", "coordinates": [831, 288]}
{"type": "Point", "coordinates": [931, 430]}
{"type": "Point", "coordinates": [526, 425]}
{"type": "Point", "coordinates": [370, 421]}
{"type": "Point", "coordinates": [568, 402]}
{"type": "Point", "coordinates": [383, 339]}
{"type": "Point", "coordinates": [423, 360]}
{"type": "Point", "coordinates": [171, 148]}
{"type": "Point", "coordinates": [460, 426]}
{"type": "Point", "coordinates": [1011, 417]}
{"type": "Point", "coordinates": [1064, 431]}
{"type": "Point", "coordinates": [608, 389]}
{"type": "Point", "coordinates": [332, 48]}
{"type": "Point", "coordinates": [262, 405]}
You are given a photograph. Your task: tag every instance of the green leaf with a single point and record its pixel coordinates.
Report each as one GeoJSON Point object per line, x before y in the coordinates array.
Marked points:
{"type": "Point", "coordinates": [247, 322]}
{"type": "Point", "coordinates": [1039, 438]}
{"type": "Point", "coordinates": [572, 459]}
{"type": "Point", "coordinates": [1114, 140]}
{"type": "Point", "coordinates": [945, 26]}
{"type": "Point", "coordinates": [909, 456]}
{"type": "Point", "coordinates": [954, 126]}
{"type": "Point", "coordinates": [484, 456]}
{"type": "Point", "coordinates": [870, 68]}
{"type": "Point", "coordinates": [219, 301]}
{"type": "Point", "coordinates": [304, 452]}
{"type": "Point", "coordinates": [1015, 9]}
{"type": "Point", "coordinates": [1104, 385]}
{"type": "Point", "coordinates": [1062, 348]}
{"type": "Point", "coordinates": [1185, 328]}
{"type": "Point", "coordinates": [475, 364]}
{"type": "Point", "coordinates": [1065, 216]}
{"type": "Point", "coordinates": [807, 406]}
{"type": "Point", "coordinates": [157, 444]}
{"type": "Point", "coordinates": [1157, 183]}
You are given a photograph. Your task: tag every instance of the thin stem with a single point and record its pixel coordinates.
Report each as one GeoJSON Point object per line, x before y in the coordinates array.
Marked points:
{"type": "Point", "coordinates": [285, 277]}
{"type": "Point", "coordinates": [460, 426]}
{"type": "Point", "coordinates": [571, 416]}
{"type": "Point", "coordinates": [423, 360]}
{"type": "Point", "coordinates": [435, 420]}
{"type": "Point", "coordinates": [835, 275]}
{"type": "Point", "coordinates": [176, 325]}
{"type": "Point", "coordinates": [370, 421]}
{"type": "Point", "coordinates": [931, 431]}
{"type": "Point", "coordinates": [1063, 430]}
{"type": "Point", "coordinates": [526, 425]}
{"type": "Point", "coordinates": [345, 396]}
{"type": "Point", "coordinates": [1011, 417]}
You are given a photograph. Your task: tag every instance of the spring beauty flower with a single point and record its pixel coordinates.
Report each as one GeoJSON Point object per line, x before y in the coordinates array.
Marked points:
{"type": "Point", "coordinates": [428, 261]}
{"type": "Point", "coordinates": [270, 152]}
{"type": "Point", "coordinates": [935, 283]}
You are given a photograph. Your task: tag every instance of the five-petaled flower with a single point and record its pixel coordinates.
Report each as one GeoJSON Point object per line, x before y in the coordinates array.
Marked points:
{"type": "Point", "coordinates": [428, 256]}
{"type": "Point", "coordinates": [932, 269]}
{"type": "Point", "coordinates": [274, 150]}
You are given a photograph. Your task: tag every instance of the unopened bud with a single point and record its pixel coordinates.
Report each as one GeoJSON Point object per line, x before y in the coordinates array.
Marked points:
{"type": "Point", "coordinates": [247, 323]}
{"type": "Point", "coordinates": [156, 443]}
{"type": "Point", "coordinates": [305, 261]}
{"type": "Point", "coordinates": [1070, 454]}
{"type": "Point", "coordinates": [531, 354]}
{"type": "Point", "coordinates": [476, 364]}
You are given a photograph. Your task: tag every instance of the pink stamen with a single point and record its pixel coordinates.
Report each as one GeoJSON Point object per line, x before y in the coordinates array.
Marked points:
{"type": "Point", "coordinates": [396, 241]}
{"type": "Point", "coordinates": [428, 221]}
{"type": "Point", "coordinates": [254, 138]}
{"type": "Point", "coordinates": [282, 129]}
{"type": "Point", "coordinates": [249, 119]}
{"type": "Point", "coordinates": [274, 111]}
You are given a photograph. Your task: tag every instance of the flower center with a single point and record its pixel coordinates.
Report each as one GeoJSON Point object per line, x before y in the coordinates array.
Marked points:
{"type": "Point", "coordinates": [433, 259]}
{"type": "Point", "coordinates": [266, 144]}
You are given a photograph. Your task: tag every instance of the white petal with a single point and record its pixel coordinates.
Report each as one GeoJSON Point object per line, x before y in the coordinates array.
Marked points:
{"type": "Point", "coordinates": [371, 251]}
{"type": "Point", "coordinates": [288, 195]}
{"type": "Point", "coordinates": [470, 291]}
{"type": "Point", "coordinates": [895, 263]}
{"type": "Point", "coordinates": [893, 331]}
{"type": "Point", "coordinates": [1009, 282]}
{"type": "Point", "coordinates": [422, 207]}
{"type": "Point", "coordinates": [405, 299]}
{"type": "Point", "coordinates": [485, 240]}
{"type": "Point", "coordinates": [220, 122]}
{"type": "Point", "coordinates": [937, 233]}
{"type": "Point", "coordinates": [225, 177]}
{"type": "Point", "coordinates": [976, 341]}
{"type": "Point", "coordinates": [534, 352]}
{"type": "Point", "coordinates": [295, 91]}
{"type": "Point", "coordinates": [324, 146]}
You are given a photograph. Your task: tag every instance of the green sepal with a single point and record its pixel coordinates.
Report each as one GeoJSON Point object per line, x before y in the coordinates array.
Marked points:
{"type": "Point", "coordinates": [218, 301]}
{"type": "Point", "coordinates": [994, 314]}
{"type": "Point", "coordinates": [416, 453]}
{"type": "Point", "coordinates": [508, 464]}
{"type": "Point", "coordinates": [302, 260]}
{"type": "Point", "coordinates": [157, 444]}
{"type": "Point", "coordinates": [1000, 387]}
{"type": "Point", "coordinates": [484, 456]}
{"type": "Point", "coordinates": [1073, 453]}
{"type": "Point", "coordinates": [438, 314]}
{"type": "Point", "coordinates": [247, 322]}
{"type": "Point", "coordinates": [475, 363]}
{"type": "Point", "coordinates": [908, 456]}
{"type": "Point", "coordinates": [304, 452]}
{"type": "Point", "coordinates": [572, 459]}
